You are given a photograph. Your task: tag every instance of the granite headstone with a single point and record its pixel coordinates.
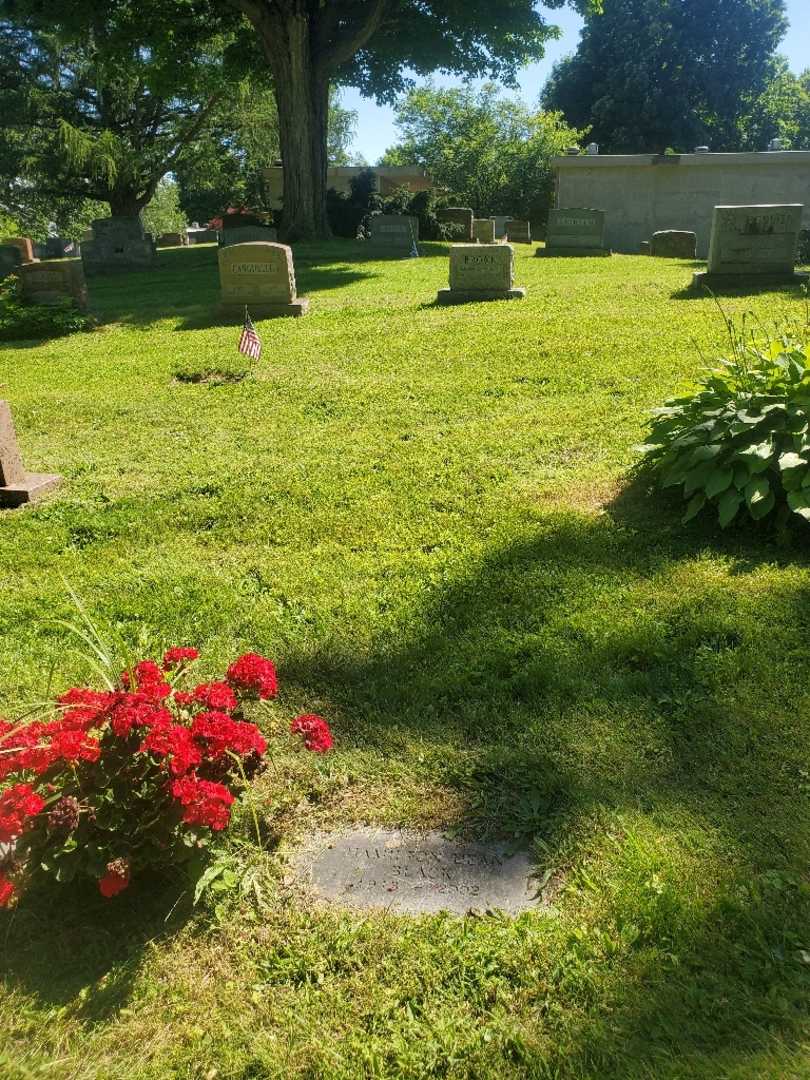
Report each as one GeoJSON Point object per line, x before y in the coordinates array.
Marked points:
{"type": "Point", "coordinates": [458, 215]}
{"type": "Point", "coordinates": [756, 243]}
{"type": "Point", "coordinates": [674, 244]}
{"type": "Point", "coordinates": [481, 272]}
{"type": "Point", "coordinates": [575, 232]}
{"type": "Point", "coordinates": [16, 485]}
{"type": "Point", "coordinates": [119, 243]}
{"type": "Point", "coordinates": [261, 277]}
{"type": "Point", "coordinates": [53, 282]}
{"type": "Point", "coordinates": [484, 230]}
{"type": "Point", "coordinates": [399, 232]}
{"type": "Point", "coordinates": [519, 232]}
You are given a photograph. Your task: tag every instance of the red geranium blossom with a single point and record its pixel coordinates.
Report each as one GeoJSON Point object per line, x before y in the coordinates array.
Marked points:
{"type": "Point", "coordinates": [216, 695]}
{"type": "Point", "coordinates": [255, 675]}
{"type": "Point", "coordinates": [17, 804]}
{"type": "Point", "coordinates": [6, 890]}
{"type": "Point", "coordinates": [221, 732]}
{"type": "Point", "coordinates": [315, 732]}
{"type": "Point", "coordinates": [204, 802]}
{"type": "Point", "coordinates": [176, 741]}
{"type": "Point", "coordinates": [179, 655]}
{"type": "Point", "coordinates": [115, 879]}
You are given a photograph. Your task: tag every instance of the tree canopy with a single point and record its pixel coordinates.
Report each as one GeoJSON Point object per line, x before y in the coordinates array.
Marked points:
{"type": "Point", "coordinates": [654, 74]}
{"type": "Point", "coordinates": [492, 152]}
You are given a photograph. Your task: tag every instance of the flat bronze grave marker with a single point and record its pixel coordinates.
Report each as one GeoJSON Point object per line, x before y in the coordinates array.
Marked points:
{"type": "Point", "coordinates": [416, 873]}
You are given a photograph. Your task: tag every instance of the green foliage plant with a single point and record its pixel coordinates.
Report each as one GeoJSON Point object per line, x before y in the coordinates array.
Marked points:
{"type": "Point", "coordinates": [741, 441]}
{"type": "Point", "coordinates": [27, 322]}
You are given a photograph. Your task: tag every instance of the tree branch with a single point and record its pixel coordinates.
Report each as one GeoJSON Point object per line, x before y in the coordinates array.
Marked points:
{"type": "Point", "coordinates": [181, 143]}
{"type": "Point", "coordinates": [343, 47]}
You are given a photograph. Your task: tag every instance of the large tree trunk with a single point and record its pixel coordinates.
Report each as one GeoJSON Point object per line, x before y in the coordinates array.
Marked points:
{"type": "Point", "coordinates": [125, 204]}
{"type": "Point", "coordinates": [302, 98]}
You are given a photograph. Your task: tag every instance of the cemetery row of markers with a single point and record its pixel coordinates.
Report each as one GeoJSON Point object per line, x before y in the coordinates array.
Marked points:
{"type": "Point", "coordinates": [748, 244]}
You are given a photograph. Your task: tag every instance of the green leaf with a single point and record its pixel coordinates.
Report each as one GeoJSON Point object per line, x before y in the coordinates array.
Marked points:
{"type": "Point", "coordinates": [758, 457]}
{"type": "Point", "coordinates": [705, 453]}
{"type": "Point", "coordinates": [696, 478]}
{"type": "Point", "coordinates": [756, 491]}
{"type": "Point", "coordinates": [791, 461]}
{"type": "Point", "coordinates": [210, 875]}
{"type": "Point", "coordinates": [719, 480]}
{"type": "Point", "coordinates": [763, 507]}
{"type": "Point", "coordinates": [741, 475]}
{"type": "Point", "coordinates": [696, 504]}
{"type": "Point", "coordinates": [728, 505]}
{"type": "Point", "coordinates": [792, 479]}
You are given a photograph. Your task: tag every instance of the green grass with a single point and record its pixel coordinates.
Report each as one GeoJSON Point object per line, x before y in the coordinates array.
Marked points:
{"type": "Point", "coordinates": [424, 514]}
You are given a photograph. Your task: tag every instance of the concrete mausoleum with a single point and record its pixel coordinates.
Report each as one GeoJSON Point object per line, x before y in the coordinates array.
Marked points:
{"type": "Point", "coordinates": [647, 193]}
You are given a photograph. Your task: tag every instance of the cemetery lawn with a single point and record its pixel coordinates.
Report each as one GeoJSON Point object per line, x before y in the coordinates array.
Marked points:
{"type": "Point", "coordinates": [424, 514]}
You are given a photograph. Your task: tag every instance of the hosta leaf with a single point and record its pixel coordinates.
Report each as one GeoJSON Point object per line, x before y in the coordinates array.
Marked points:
{"type": "Point", "coordinates": [676, 474]}
{"type": "Point", "coordinates": [791, 461]}
{"type": "Point", "coordinates": [741, 475]}
{"type": "Point", "coordinates": [719, 480]}
{"type": "Point", "coordinates": [792, 479]}
{"type": "Point", "coordinates": [798, 501]}
{"type": "Point", "coordinates": [763, 507]}
{"type": "Point", "coordinates": [756, 491]}
{"type": "Point", "coordinates": [696, 478]}
{"type": "Point", "coordinates": [728, 505]}
{"type": "Point", "coordinates": [707, 452]}
{"type": "Point", "coordinates": [696, 504]}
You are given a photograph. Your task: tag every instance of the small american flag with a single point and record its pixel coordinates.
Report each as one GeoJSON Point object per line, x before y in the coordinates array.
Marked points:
{"type": "Point", "coordinates": [414, 252]}
{"type": "Point", "coordinates": [250, 344]}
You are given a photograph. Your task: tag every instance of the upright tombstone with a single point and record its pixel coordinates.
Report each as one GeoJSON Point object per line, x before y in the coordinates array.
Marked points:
{"type": "Point", "coordinates": [10, 259]}
{"type": "Point", "coordinates": [674, 244]}
{"type": "Point", "coordinates": [479, 272]}
{"type": "Point", "coordinates": [172, 239]}
{"type": "Point", "coordinates": [203, 236]}
{"type": "Point", "coordinates": [484, 230]}
{"type": "Point", "coordinates": [501, 225]}
{"type": "Point", "coordinates": [519, 232]}
{"type": "Point", "coordinates": [458, 215]}
{"type": "Point", "coordinates": [119, 243]}
{"type": "Point", "coordinates": [25, 246]}
{"type": "Point", "coordinates": [575, 232]}
{"type": "Point", "coordinates": [397, 232]}
{"type": "Point", "coordinates": [53, 282]}
{"type": "Point", "coordinates": [248, 234]}
{"type": "Point", "coordinates": [259, 276]}
{"type": "Point", "coordinates": [16, 485]}
{"type": "Point", "coordinates": [753, 244]}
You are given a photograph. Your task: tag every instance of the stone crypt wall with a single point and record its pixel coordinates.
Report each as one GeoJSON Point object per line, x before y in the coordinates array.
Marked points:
{"type": "Point", "coordinates": [647, 193]}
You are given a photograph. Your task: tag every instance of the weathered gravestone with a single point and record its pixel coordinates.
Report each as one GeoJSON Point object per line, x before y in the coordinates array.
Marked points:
{"type": "Point", "coordinates": [25, 246]}
{"type": "Point", "coordinates": [416, 873]}
{"type": "Point", "coordinates": [119, 243]}
{"type": "Point", "coordinates": [753, 243]}
{"type": "Point", "coordinates": [260, 276]}
{"type": "Point", "coordinates": [674, 244]}
{"type": "Point", "coordinates": [52, 282]}
{"type": "Point", "coordinates": [575, 232]}
{"type": "Point", "coordinates": [644, 247]}
{"type": "Point", "coordinates": [203, 236]}
{"type": "Point", "coordinates": [519, 232]}
{"type": "Point", "coordinates": [399, 232]}
{"type": "Point", "coordinates": [484, 230]}
{"type": "Point", "coordinates": [172, 239]}
{"type": "Point", "coordinates": [248, 234]}
{"type": "Point", "coordinates": [458, 215]}
{"type": "Point", "coordinates": [16, 485]}
{"type": "Point", "coordinates": [501, 225]}
{"type": "Point", "coordinates": [481, 272]}
{"type": "Point", "coordinates": [10, 259]}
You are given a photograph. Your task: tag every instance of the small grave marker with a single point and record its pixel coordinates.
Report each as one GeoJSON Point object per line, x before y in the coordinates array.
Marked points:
{"type": "Point", "coordinates": [458, 215]}
{"type": "Point", "coordinates": [51, 282]}
{"type": "Point", "coordinates": [248, 234]}
{"type": "Point", "coordinates": [484, 230]}
{"type": "Point", "coordinates": [575, 232]}
{"type": "Point", "coordinates": [674, 244]}
{"type": "Point", "coordinates": [10, 259]}
{"type": "Point", "coordinates": [756, 243]}
{"type": "Point", "coordinates": [416, 873]}
{"type": "Point", "coordinates": [260, 276]}
{"type": "Point", "coordinates": [172, 239]}
{"type": "Point", "coordinates": [16, 485]}
{"type": "Point", "coordinates": [399, 232]}
{"type": "Point", "coordinates": [25, 246]}
{"type": "Point", "coordinates": [481, 272]}
{"type": "Point", "coordinates": [119, 243]}
{"type": "Point", "coordinates": [519, 232]}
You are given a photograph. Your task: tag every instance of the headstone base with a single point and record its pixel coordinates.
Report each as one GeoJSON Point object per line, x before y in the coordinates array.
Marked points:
{"type": "Point", "coordinates": [703, 277]}
{"type": "Point", "coordinates": [265, 311]}
{"type": "Point", "coordinates": [464, 296]}
{"type": "Point", "coordinates": [33, 488]}
{"type": "Point", "coordinates": [588, 252]}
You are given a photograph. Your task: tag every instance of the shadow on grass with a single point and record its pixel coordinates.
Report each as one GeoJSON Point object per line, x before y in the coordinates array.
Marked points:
{"type": "Point", "coordinates": [66, 943]}
{"type": "Point", "coordinates": [750, 288]}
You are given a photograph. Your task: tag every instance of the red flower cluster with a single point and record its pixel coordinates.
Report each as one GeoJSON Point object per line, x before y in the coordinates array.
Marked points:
{"type": "Point", "coordinates": [253, 674]}
{"type": "Point", "coordinates": [17, 805]}
{"type": "Point", "coordinates": [115, 879]}
{"type": "Point", "coordinates": [148, 756]}
{"type": "Point", "coordinates": [315, 732]}
{"type": "Point", "coordinates": [203, 802]}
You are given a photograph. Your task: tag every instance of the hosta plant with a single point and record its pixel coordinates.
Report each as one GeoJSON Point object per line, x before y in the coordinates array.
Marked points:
{"type": "Point", "coordinates": [740, 444]}
{"type": "Point", "coordinates": [140, 775]}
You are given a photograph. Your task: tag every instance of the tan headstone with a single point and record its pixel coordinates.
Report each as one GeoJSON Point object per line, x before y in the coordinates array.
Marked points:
{"type": "Point", "coordinates": [519, 232]}
{"type": "Point", "coordinates": [16, 485]}
{"type": "Point", "coordinates": [484, 230]}
{"type": "Point", "coordinates": [24, 244]}
{"type": "Point", "coordinates": [261, 277]}
{"type": "Point", "coordinates": [481, 272]}
{"type": "Point", "coordinates": [756, 242]}
{"type": "Point", "coordinates": [51, 281]}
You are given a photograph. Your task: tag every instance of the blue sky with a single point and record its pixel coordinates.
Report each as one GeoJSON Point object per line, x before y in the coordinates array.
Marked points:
{"type": "Point", "coordinates": [375, 125]}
